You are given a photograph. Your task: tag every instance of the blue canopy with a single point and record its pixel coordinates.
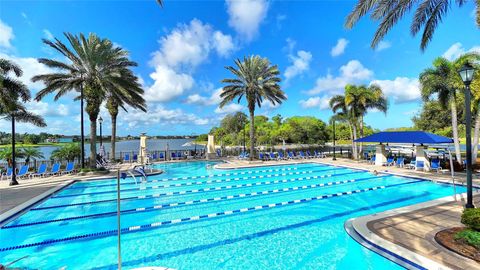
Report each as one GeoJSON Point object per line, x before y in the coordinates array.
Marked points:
{"type": "Point", "coordinates": [408, 137]}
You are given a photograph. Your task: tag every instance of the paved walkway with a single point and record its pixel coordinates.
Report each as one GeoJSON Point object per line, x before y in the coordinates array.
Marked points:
{"type": "Point", "coordinates": [416, 230]}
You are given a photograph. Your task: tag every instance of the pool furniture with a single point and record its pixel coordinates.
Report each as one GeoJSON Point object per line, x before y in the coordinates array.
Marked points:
{"type": "Point", "coordinates": [219, 153]}
{"type": "Point", "coordinates": [126, 158]}
{"type": "Point", "coordinates": [135, 157]}
{"type": "Point", "coordinates": [281, 156]}
{"type": "Point", "coordinates": [291, 155]}
{"type": "Point", "coordinates": [173, 155]}
{"type": "Point", "coordinates": [319, 154]}
{"type": "Point", "coordinates": [70, 168]}
{"type": "Point", "coordinates": [390, 162]}
{"type": "Point", "coordinates": [372, 160]}
{"type": "Point", "coordinates": [272, 156]}
{"type": "Point", "coordinates": [309, 155]}
{"type": "Point", "coordinates": [366, 157]}
{"type": "Point", "coordinates": [411, 165]}
{"type": "Point", "coordinates": [55, 169]}
{"type": "Point", "coordinates": [23, 172]}
{"type": "Point", "coordinates": [419, 165]}
{"type": "Point", "coordinates": [435, 165]}
{"type": "Point", "coordinates": [8, 173]}
{"type": "Point", "coordinates": [260, 156]}
{"type": "Point", "coordinates": [400, 162]}
{"type": "Point", "coordinates": [41, 171]}
{"type": "Point", "coordinates": [302, 155]}
{"type": "Point", "coordinates": [154, 156]}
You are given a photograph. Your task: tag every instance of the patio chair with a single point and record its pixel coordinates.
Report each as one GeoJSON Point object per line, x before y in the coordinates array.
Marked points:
{"type": "Point", "coordinates": [281, 156]}
{"type": "Point", "coordinates": [419, 165]}
{"type": "Point", "coordinates": [372, 160]}
{"type": "Point", "coordinates": [390, 162]}
{"type": "Point", "coordinates": [291, 155]}
{"type": "Point", "coordinates": [411, 165]}
{"type": "Point", "coordinates": [155, 156]}
{"type": "Point", "coordinates": [126, 158]}
{"type": "Point", "coordinates": [55, 169]}
{"type": "Point", "coordinates": [219, 153]}
{"type": "Point", "coordinates": [23, 172]}
{"type": "Point", "coordinates": [161, 156]}
{"type": "Point", "coordinates": [8, 173]}
{"type": "Point", "coordinates": [400, 162]}
{"type": "Point", "coordinates": [301, 155]}
{"type": "Point", "coordinates": [309, 155]}
{"type": "Point", "coordinates": [174, 156]}
{"type": "Point", "coordinates": [135, 157]}
{"type": "Point", "coordinates": [272, 156]}
{"type": "Point", "coordinates": [261, 156]}
{"type": "Point", "coordinates": [41, 171]}
{"type": "Point", "coordinates": [70, 168]}
{"type": "Point", "coordinates": [435, 165]}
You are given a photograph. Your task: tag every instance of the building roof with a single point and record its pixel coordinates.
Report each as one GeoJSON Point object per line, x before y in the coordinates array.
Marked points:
{"type": "Point", "coordinates": [407, 137]}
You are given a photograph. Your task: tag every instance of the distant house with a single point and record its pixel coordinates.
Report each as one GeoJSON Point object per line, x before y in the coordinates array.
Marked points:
{"type": "Point", "coordinates": [63, 139]}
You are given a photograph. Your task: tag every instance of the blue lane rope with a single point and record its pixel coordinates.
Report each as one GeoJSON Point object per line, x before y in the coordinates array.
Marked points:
{"type": "Point", "coordinates": [201, 217]}
{"type": "Point", "coordinates": [203, 176]}
{"type": "Point", "coordinates": [156, 195]}
{"type": "Point", "coordinates": [193, 202]}
{"type": "Point", "coordinates": [187, 184]}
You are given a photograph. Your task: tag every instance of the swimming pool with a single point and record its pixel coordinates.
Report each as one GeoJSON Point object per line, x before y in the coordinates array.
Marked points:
{"type": "Point", "coordinates": [191, 217]}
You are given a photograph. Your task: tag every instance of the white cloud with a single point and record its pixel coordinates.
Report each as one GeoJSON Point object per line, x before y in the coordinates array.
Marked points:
{"type": "Point", "coordinates": [223, 44]}
{"type": "Point", "coordinates": [47, 34]}
{"type": "Point", "coordinates": [300, 64]}
{"type": "Point", "coordinates": [383, 45]}
{"type": "Point", "coordinates": [44, 109]}
{"type": "Point", "coordinates": [168, 84]}
{"type": "Point", "coordinates": [457, 50]}
{"type": "Point", "coordinates": [280, 18]}
{"type": "Point", "coordinates": [6, 35]}
{"type": "Point", "coordinates": [401, 89]}
{"type": "Point", "coordinates": [181, 51]}
{"type": "Point", "coordinates": [339, 48]}
{"type": "Point", "coordinates": [352, 72]}
{"type": "Point", "coordinates": [316, 102]}
{"type": "Point", "coordinates": [214, 99]}
{"type": "Point", "coordinates": [30, 67]}
{"type": "Point", "coordinates": [229, 108]}
{"type": "Point", "coordinates": [246, 16]}
{"type": "Point", "coordinates": [159, 115]}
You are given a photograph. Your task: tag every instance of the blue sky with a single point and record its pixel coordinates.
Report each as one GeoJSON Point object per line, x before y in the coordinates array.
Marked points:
{"type": "Point", "coordinates": [183, 48]}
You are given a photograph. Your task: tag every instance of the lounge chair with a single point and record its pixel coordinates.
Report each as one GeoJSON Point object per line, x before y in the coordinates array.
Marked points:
{"type": "Point", "coordinates": [161, 156]}
{"type": "Point", "coordinates": [400, 162]}
{"type": "Point", "coordinates": [291, 155]}
{"type": "Point", "coordinates": [302, 155]}
{"type": "Point", "coordinates": [281, 156]}
{"type": "Point", "coordinates": [219, 153]}
{"type": "Point", "coordinates": [126, 158]}
{"type": "Point", "coordinates": [55, 169]}
{"type": "Point", "coordinates": [390, 162]}
{"type": "Point", "coordinates": [173, 155]}
{"type": "Point", "coordinates": [272, 156]}
{"type": "Point", "coordinates": [372, 160]}
{"type": "Point", "coordinates": [23, 172]}
{"type": "Point", "coordinates": [308, 154]}
{"type": "Point", "coordinates": [8, 173]}
{"type": "Point", "coordinates": [135, 157]}
{"type": "Point", "coordinates": [411, 165]}
{"type": "Point", "coordinates": [435, 165]}
{"type": "Point", "coordinates": [70, 168]}
{"type": "Point", "coordinates": [41, 171]}
{"type": "Point", "coordinates": [366, 157]}
{"type": "Point", "coordinates": [154, 156]}
{"type": "Point", "coordinates": [419, 165]}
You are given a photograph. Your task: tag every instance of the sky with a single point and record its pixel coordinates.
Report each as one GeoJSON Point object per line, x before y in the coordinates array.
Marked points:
{"type": "Point", "coordinates": [182, 50]}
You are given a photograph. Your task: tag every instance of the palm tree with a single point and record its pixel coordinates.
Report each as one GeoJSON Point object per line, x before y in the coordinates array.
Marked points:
{"type": "Point", "coordinates": [443, 82]}
{"type": "Point", "coordinates": [119, 97]}
{"type": "Point", "coordinates": [32, 152]}
{"type": "Point", "coordinates": [94, 67]}
{"type": "Point", "coordinates": [342, 111]}
{"type": "Point", "coordinates": [68, 152]}
{"type": "Point", "coordinates": [12, 93]}
{"type": "Point", "coordinates": [256, 80]}
{"type": "Point", "coordinates": [362, 98]}
{"type": "Point", "coordinates": [428, 14]}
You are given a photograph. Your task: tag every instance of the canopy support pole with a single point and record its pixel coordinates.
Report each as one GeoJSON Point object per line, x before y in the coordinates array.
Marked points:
{"type": "Point", "coordinates": [452, 173]}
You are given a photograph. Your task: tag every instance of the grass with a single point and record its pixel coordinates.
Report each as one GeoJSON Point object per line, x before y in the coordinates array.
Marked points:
{"type": "Point", "coordinates": [470, 237]}
{"type": "Point", "coordinates": [33, 145]}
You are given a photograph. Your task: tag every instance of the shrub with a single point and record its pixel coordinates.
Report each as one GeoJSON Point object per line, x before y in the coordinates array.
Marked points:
{"type": "Point", "coordinates": [470, 237]}
{"type": "Point", "coordinates": [471, 218]}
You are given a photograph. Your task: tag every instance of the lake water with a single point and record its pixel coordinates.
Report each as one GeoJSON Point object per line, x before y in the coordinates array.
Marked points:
{"type": "Point", "coordinates": [133, 145]}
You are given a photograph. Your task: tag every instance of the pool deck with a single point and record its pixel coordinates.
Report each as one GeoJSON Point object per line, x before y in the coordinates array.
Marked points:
{"type": "Point", "coordinates": [409, 231]}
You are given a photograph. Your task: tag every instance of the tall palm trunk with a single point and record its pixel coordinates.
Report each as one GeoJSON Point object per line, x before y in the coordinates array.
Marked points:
{"type": "Point", "coordinates": [455, 131]}
{"type": "Point", "coordinates": [476, 131]}
{"type": "Point", "coordinates": [13, 181]}
{"type": "Point", "coordinates": [252, 133]}
{"type": "Point", "coordinates": [114, 135]}
{"type": "Point", "coordinates": [361, 135]}
{"type": "Point", "coordinates": [353, 132]}
{"type": "Point", "coordinates": [93, 142]}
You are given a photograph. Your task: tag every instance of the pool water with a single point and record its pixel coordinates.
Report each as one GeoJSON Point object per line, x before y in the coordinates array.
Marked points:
{"type": "Point", "coordinates": [197, 217]}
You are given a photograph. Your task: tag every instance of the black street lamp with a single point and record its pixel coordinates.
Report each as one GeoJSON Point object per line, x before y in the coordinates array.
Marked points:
{"type": "Point", "coordinates": [100, 121]}
{"type": "Point", "coordinates": [466, 72]}
{"type": "Point", "coordinates": [13, 181]}
{"type": "Point", "coordinates": [334, 154]}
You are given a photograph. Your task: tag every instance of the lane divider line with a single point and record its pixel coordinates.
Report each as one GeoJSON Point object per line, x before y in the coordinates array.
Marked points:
{"type": "Point", "coordinates": [156, 195]}
{"type": "Point", "coordinates": [187, 184]}
{"type": "Point", "coordinates": [204, 176]}
{"type": "Point", "coordinates": [200, 217]}
{"type": "Point", "coordinates": [192, 202]}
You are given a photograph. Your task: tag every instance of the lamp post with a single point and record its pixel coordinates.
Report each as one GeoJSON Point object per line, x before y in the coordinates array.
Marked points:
{"type": "Point", "coordinates": [334, 154]}
{"type": "Point", "coordinates": [466, 73]}
{"type": "Point", "coordinates": [100, 121]}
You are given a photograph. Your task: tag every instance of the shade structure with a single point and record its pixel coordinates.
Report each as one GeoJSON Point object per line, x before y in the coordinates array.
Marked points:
{"type": "Point", "coordinates": [410, 137]}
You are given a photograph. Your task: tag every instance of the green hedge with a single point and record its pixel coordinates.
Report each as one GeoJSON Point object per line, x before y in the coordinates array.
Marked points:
{"type": "Point", "coordinates": [471, 218]}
